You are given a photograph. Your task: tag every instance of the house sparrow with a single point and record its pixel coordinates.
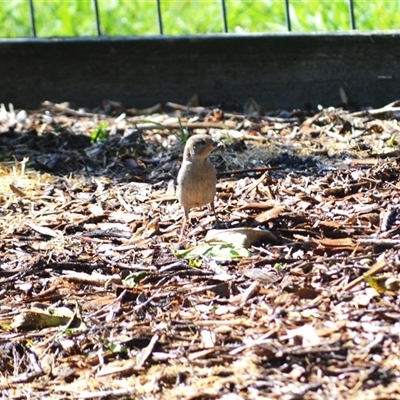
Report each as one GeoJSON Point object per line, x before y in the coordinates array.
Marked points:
{"type": "Point", "coordinates": [197, 177]}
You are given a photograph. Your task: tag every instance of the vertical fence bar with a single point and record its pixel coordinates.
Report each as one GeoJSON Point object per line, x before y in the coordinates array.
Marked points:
{"type": "Point", "coordinates": [159, 17]}
{"type": "Point", "coordinates": [287, 10]}
{"type": "Point", "coordinates": [97, 16]}
{"type": "Point", "coordinates": [352, 16]}
{"type": "Point", "coordinates": [224, 16]}
{"type": "Point", "coordinates": [32, 15]}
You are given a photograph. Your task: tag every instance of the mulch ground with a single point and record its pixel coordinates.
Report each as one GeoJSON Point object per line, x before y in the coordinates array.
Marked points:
{"type": "Point", "coordinates": [99, 299]}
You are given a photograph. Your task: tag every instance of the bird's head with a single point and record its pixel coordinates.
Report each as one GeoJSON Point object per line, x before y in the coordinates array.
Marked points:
{"type": "Point", "coordinates": [201, 146]}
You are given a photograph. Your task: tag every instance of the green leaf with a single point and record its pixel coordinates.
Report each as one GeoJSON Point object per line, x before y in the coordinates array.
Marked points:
{"type": "Point", "coordinates": [219, 251]}
{"type": "Point", "coordinates": [184, 135]}
{"type": "Point", "coordinates": [195, 262]}
{"type": "Point", "coordinates": [279, 266]}
{"type": "Point", "coordinates": [382, 284]}
{"type": "Point", "coordinates": [99, 134]}
{"type": "Point", "coordinates": [134, 279]}
{"type": "Point", "coordinates": [375, 283]}
{"type": "Point", "coordinates": [118, 348]}
{"type": "Point", "coordinates": [392, 141]}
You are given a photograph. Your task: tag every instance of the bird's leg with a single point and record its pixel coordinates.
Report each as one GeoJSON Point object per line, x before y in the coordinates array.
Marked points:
{"type": "Point", "coordinates": [185, 219]}
{"type": "Point", "coordinates": [217, 224]}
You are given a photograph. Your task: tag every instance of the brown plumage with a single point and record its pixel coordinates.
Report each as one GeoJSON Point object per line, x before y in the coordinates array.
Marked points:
{"type": "Point", "coordinates": [197, 177]}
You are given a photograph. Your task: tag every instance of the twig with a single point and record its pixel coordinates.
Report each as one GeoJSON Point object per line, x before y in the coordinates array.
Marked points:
{"type": "Point", "coordinates": [123, 203]}
{"type": "Point", "coordinates": [247, 189]}
{"type": "Point", "coordinates": [101, 394]}
{"type": "Point", "coordinates": [247, 170]}
{"type": "Point", "coordinates": [376, 268]}
{"type": "Point", "coordinates": [379, 242]}
{"type": "Point", "coordinates": [182, 107]}
{"type": "Point", "coordinates": [109, 305]}
{"type": "Point", "coordinates": [139, 267]}
{"type": "Point", "coordinates": [67, 110]}
{"type": "Point", "coordinates": [390, 108]}
{"type": "Point", "coordinates": [145, 111]}
{"type": "Point", "coordinates": [146, 352]}
{"type": "Point", "coordinates": [200, 110]}
{"type": "Point", "coordinates": [176, 125]}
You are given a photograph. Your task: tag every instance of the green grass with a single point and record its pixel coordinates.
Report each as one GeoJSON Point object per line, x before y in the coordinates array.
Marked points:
{"type": "Point", "coordinates": [119, 17]}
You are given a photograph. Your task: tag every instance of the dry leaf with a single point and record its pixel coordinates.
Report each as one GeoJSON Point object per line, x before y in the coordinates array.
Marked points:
{"type": "Point", "coordinates": [44, 230]}
{"type": "Point", "coordinates": [239, 237]}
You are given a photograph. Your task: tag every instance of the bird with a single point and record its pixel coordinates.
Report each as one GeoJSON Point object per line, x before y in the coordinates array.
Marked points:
{"type": "Point", "coordinates": [197, 177]}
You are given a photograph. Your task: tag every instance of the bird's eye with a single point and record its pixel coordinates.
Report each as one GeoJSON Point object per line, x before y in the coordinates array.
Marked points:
{"type": "Point", "coordinates": [202, 141]}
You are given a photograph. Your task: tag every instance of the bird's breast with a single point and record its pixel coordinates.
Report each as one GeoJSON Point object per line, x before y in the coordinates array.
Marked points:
{"type": "Point", "coordinates": [196, 184]}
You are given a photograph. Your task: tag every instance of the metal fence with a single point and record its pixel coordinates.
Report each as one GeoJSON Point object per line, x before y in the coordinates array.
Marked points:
{"type": "Point", "coordinates": [224, 7]}
{"type": "Point", "coordinates": [224, 16]}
